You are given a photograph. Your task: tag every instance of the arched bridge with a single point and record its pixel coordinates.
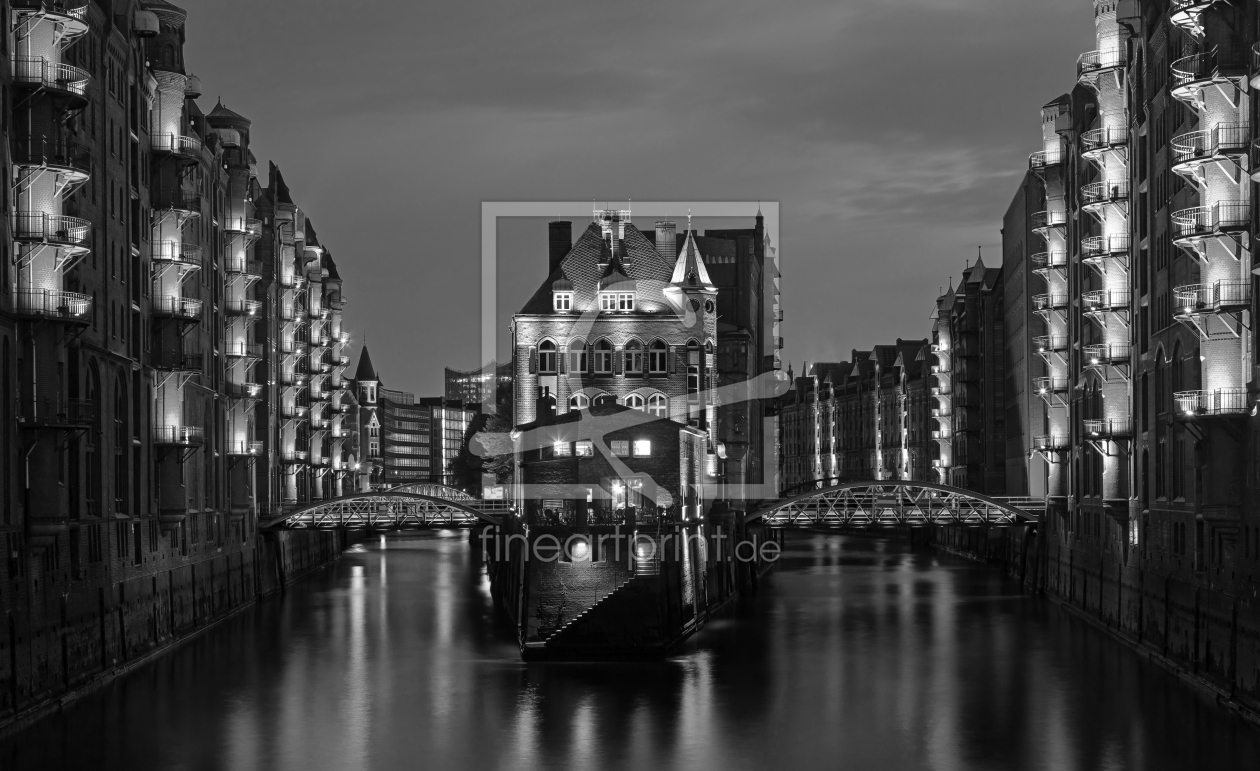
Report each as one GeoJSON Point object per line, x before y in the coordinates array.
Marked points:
{"type": "Point", "coordinates": [889, 503]}
{"type": "Point", "coordinates": [387, 510]}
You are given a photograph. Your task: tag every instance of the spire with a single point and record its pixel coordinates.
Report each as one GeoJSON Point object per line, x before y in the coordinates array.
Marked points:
{"type": "Point", "coordinates": [689, 270]}
{"type": "Point", "coordinates": [366, 370]}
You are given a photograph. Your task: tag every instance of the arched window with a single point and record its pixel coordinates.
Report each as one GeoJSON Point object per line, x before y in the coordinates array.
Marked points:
{"type": "Point", "coordinates": [634, 402]}
{"type": "Point", "coordinates": [577, 356]}
{"type": "Point", "coordinates": [634, 358]}
{"type": "Point", "coordinates": [656, 357]}
{"type": "Point", "coordinates": [693, 371]}
{"type": "Point", "coordinates": [657, 405]}
{"type": "Point", "coordinates": [547, 357]}
{"type": "Point", "coordinates": [603, 357]}
{"type": "Point", "coordinates": [579, 402]}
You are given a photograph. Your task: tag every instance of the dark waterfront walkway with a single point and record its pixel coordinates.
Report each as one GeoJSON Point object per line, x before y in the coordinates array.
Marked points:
{"type": "Point", "coordinates": [857, 654]}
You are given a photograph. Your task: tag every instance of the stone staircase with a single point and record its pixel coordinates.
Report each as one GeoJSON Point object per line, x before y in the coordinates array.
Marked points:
{"type": "Point", "coordinates": [627, 618]}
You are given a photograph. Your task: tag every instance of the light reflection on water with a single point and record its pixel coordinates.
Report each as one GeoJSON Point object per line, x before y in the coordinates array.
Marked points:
{"type": "Point", "coordinates": [856, 654]}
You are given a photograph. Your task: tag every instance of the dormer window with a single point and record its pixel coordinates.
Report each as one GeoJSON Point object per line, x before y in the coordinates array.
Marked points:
{"type": "Point", "coordinates": [562, 301]}
{"type": "Point", "coordinates": [616, 301]}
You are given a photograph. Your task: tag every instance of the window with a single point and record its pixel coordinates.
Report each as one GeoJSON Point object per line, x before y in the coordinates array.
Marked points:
{"type": "Point", "coordinates": [642, 448]}
{"type": "Point", "coordinates": [634, 357]}
{"type": "Point", "coordinates": [584, 449]}
{"type": "Point", "coordinates": [547, 357]}
{"type": "Point", "coordinates": [577, 356]}
{"type": "Point", "coordinates": [656, 357]}
{"type": "Point", "coordinates": [579, 402]}
{"type": "Point", "coordinates": [634, 402]}
{"type": "Point", "coordinates": [563, 301]}
{"type": "Point", "coordinates": [625, 301]}
{"type": "Point", "coordinates": [607, 301]}
{"type": "Point", "coordinates": [620, 448]}
{"type": "Point", "coordinates": [657, 405]}
{"type": "Point", "coordinates": [603, 357]}
{"type": "Point", "coordinates": [560, 449]}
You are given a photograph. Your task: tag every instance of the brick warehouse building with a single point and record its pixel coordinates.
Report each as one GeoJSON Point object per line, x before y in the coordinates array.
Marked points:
{"type": "Point", "coordinates": [153, 364]}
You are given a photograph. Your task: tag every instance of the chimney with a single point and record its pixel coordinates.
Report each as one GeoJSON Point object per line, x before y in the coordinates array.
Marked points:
{"type": "Point", "coordinates": [666, 239]}
{"type": "Point", "coordinates": [559, 242]}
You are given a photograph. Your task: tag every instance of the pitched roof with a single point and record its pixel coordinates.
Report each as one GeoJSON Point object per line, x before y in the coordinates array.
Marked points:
{"type": "Point", "coordinates": [365, 370]}
{"type": "Point", "coordinates": [583, 267]}
{"type": "Point", "coordinates": [221, 114]}
{"type": "Point", "coordinates": [689, 270]}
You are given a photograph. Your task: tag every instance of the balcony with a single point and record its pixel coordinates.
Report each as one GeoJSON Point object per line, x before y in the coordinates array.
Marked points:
{"type": "Point", "coordinates": [1221, 297]}
{"type": "Point", "coordinates": [65, 11]}
{"type": "Point", "coordinates": [54, 304]}
{"type": "Point", "coordinates": [940, 413]}
{"type": "Point", "coordinates": [241, 448]}
{"type": "Point", "coordinates": [294, 457]}
{"type": "Point", "coordinates": [1050, 443]}
{"type": "Point", "coordinates": [1106, 353]}
{"type": "Point", "coordinates": [250, 269]}
{"type": "Point", "coordinates": [343, 360]}
{"type": "Point", "coordinates": [60, 80]}
{"type": "Point", "coordinates": [1110, 428]}
{"type": "Point", "coordinates": [1106, 301]}
{"type": "Point", "coordinates": [286, 312]}
{"type": "Point", "coordinates": [178, 360]}
{"type": "Point", "coordinates": [1042, 160]}
{"type": "Point", "coordinates": [293, 411]}
{"type": "Point", "coordinates": [1185, 13]}
{"type": "Point", "coordinates": [1042, 221]}
{"type": "Point", "coordinates": [1093, 63]}
{"type": "Point", "coordinates": [1221, 401]}
{"type": "Point", "coordinates": [239, 350]}
{"type": "Point", "coordinates": [54, 229]}
{"type": "Point", "coordinates": [1045, 386]}
{"type": "Point", "coordinates": [174, 253]}
{"type": "Point", "coordinates": [319, 424]}
{"type": "Point", "coordinates": [178, 436]}
{"type": "Point", "coordinates": [244, 390]}
{"type": "Point", "coordinates": [1097, 141]}
{"type": "Point", "coordinates": [1050, 302]}
{"type": "Point", "coordinates": [242, 307]}
{"type": "Point", "coordinates": [181, 308]}
{"type": "Point", "coordinates": [1050, 343]}
{"type": "Point", "coordinates": [1096, 247]}
{"type": "Point", "coordinates": [1192, 73]}
{"type": "Point", "coordinates": [67, 158]}
{"type": "Point", "coordinates": [55, 412]}
{"type": "Point", "coordinates": [1098, 194]}
{"type": "Point", "coordinates": [188, 204]}
{"type": "Point", "coordinates": [250, 228]}
{"type": "Point", "coordinates": [1043, 261]}
{"type": "Point", "coordinates": [187, 148]}
{"type": "Point", "coordinates": [1209, 221]}
{"type": "Point", "coordinates": [1195, 148]}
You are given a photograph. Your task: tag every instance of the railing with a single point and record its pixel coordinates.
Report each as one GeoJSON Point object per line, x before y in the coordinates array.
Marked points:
{"type": "Point", "coordinates": [32, 151]}
{"type": "Point", "coordinates": [1110, 427]}
{"type": "Point", "coordinates": [1208, 220]}
{"type": "Point", "coordinates": [180, 200]}
{"type": "Point", "coordinates": [173, 251]}
{"type": "Point", "coordinates": [1042, 159]}
{"type": "Point", "coordinates": [343, 360]}
{"type": "Point", "coordinates": [1104, 138]}
{"type": "Point", "coordinates": [247, 448]}
{"type": "Point", "coordinates": [245, 267]}
{"type": "Point", "coordinates": [1104, 192]}
{"type": "Point", "coordinates": [1045, 343]}
{"type": "Point", "coordinates": [182, 307]}
{"type": "Point", "coordinates": [250, 227]}
{"type": "Point", "coordinates": [1050, 442]}
{"type": "Point", "coordinates": [1050, 385]}
{"type": "Point", "coordinates": [1255, 57]}
{"type": "Point", "coordinates": [319, 423]}
{"type": "Point", "coordinates": [55, 411]}
{"type": "Point", "coordinates": [1208, 66]}
{"type": "Point", "coordinates": [293, 411]}
{"type": "Point", "coordinates": [179, 435]}
{"type": "Point", "coordinates": [1106, 353]}
{"type": "Point", "coordinates": [53, 228]}
{"type": "Point", "coordinates": [1049, 259]}
{"type": "Point", "coordinates": [75, 9]}
{"type": "Point", "coordinates": [53, 303]}
{"type": "Point", "coordinates": [1048, 219]}
{"type": "Point", "coordinates": [1105, 300]}
{"type": "Point", "coordinates": [182, 361]}
{"type": "Point", "coordinates": [1212, 298]}
{"type": "Point", "coordinates": [41, 73]}
{"type": "Point", "coordinates": [1102, 246]}
{"type": "Point", "coordinates": [295, 456]}
{"type": "Point", "coordinates": [242, 307]}
{"type": "Point", "coordinates": [1224, 139]}
{"type": "Point", "coordinates": [239, 350]}
{"type": "Point", "coordinates": [1221, 401]}
{"type": "Point", "coordinates": [174, 143]}
{"type": "Point", "coordinates": [286, 312]}
{"type": "Point", "coordinates": [1093, 61]}
{"type": "Point", "coordinates": [244, 390]}
{"type": "Point", "coordinates": [1046, 302]}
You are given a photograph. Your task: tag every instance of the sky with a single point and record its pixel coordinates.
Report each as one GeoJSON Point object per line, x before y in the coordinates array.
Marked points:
{"type": "Point", "coordinates": [892, 134]}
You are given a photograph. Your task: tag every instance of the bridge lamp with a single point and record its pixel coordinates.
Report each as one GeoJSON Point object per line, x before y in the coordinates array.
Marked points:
{"type": "Point", "coordinates": [580, 550]}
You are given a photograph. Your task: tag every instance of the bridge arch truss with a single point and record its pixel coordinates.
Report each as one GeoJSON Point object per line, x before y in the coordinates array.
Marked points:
{"type": "Point", "coordinates": [388, 510]}
{"type": "Point", "coordinates": [888, 504]}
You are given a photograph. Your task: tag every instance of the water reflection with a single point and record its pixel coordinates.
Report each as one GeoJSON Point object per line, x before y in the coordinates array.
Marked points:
{"type": "Point", "coordinates": [857, 654]}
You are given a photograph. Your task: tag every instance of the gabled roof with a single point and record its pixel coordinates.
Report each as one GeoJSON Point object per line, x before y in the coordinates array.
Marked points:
{"type": "Point", "coordinates": [689, 271]}
{"type": "Point", "coordinates": [365, 370]}
{"type": "Point", "coordinates": [614, 274]}
{"type": "Point", "coordinates": [224, 116]}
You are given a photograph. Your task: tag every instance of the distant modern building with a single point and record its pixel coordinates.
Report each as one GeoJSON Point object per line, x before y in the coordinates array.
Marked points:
{"type": "Point", "coordinates": [491, 385]}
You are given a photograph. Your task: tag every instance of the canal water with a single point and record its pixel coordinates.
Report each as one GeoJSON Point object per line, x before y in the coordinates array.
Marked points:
{"type": "Point", "coordinates": [857, 653]}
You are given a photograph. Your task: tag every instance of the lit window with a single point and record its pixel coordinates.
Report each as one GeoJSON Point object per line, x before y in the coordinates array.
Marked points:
{"type": "Point", "coordinates": [561, 449]}
{"type": "Point", "coordinates": [625, 301]}
{"type": "Point", "coordinates": [603, 357]}
{"type": "Point", "coordinates": [577, 356]}
{"type": "Point", "coordinates": [563, 301]}
{"type": "Point", "coordinates": [634, 402]}
{"type": "Point", "coordinates": [579, 401]}
{"type": "Point", "coordinates": [585, 449]}
{"type": "Point", "coordinates": [656, 357]}
{"type": "Point", "coordinates": [657, 405]}
{"type": "Point", "coordinates": [642, 448]}
{"type": "Point", "coordinates": [620, 448]}
{"type": "Point", "coordinates": [607, 301]}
